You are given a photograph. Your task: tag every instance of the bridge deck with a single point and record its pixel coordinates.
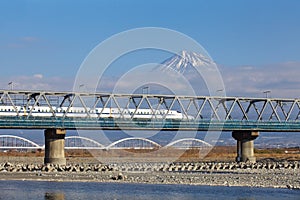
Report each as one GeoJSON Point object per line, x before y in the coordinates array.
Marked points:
{"type": "Point", "coordinates": [127, 124]}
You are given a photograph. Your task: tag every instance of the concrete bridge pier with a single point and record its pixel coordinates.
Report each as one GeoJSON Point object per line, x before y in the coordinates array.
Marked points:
{"type": "Point", "coordinates": [55, 146]}
{"type": "Point", "coordinates": [245, 145]}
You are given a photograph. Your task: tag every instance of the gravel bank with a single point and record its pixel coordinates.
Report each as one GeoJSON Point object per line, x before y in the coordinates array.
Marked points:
{"type": "Point", "coordinates": [261, 174]}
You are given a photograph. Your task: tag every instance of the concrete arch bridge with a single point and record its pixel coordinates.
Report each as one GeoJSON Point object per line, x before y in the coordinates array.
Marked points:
{"type": "Point", "coordinates": [78, 142]}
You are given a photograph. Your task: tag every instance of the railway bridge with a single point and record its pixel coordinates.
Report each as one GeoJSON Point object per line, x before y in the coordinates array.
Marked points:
{"type": "Point", "coordinates": [56, 112]}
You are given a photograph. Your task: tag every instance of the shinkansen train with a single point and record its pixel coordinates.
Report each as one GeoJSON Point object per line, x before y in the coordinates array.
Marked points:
{"type": "Point", "coordinates": [45, 111]}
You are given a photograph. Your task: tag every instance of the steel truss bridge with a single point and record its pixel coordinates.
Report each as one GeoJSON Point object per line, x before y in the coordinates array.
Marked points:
{"type": "Point", "coordinates": [199, 112]}
{"type": "Point", "coordinates": [76, 142]}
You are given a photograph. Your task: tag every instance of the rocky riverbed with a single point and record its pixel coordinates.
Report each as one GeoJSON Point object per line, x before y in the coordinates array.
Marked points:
{"type": "Point", "coordinates": [261, 174]}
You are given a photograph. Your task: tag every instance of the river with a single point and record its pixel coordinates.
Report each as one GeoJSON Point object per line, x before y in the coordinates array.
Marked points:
{"type": "Point", "coordinates": [91, 190]}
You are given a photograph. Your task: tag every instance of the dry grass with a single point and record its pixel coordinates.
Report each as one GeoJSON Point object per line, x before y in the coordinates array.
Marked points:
{"type": "Point", "coordinates": [290, 154]}
{"type": "Point", "coordinates": [219, 153]}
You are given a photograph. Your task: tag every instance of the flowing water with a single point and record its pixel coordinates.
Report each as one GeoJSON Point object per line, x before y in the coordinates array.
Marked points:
{"type": "Point", "coordinates": [90, 190]}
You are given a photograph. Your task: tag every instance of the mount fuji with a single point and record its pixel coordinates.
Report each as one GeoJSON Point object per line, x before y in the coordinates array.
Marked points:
{"type": "Point", "coordinates": [185, 60]}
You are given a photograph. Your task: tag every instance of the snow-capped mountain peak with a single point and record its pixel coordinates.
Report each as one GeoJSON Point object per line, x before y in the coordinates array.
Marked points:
{"type": "Point", "coordinates": [185, 60]}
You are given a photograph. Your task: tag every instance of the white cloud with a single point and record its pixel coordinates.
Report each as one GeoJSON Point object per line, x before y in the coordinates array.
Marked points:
{"type": "Point", "coordinates": [36, 82]}
{"type": "Point", "coordinates": [38, 76]}
{"type": "Point", "coordinates": [282, 79]}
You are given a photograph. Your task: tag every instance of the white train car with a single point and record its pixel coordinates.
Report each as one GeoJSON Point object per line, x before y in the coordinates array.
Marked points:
{"type": "Point", "coordinates": [38, 111]}
{"type": "Point", "coordinates": [9, 110]}
{"type": "Point", "coordinates": [139, 113]}
{"type": "Point", "coordinates": [45, 111]}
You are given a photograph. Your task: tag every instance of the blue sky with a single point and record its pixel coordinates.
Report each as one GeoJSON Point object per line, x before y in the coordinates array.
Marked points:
{"type": "Point", "coordinates": [49, 39]}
